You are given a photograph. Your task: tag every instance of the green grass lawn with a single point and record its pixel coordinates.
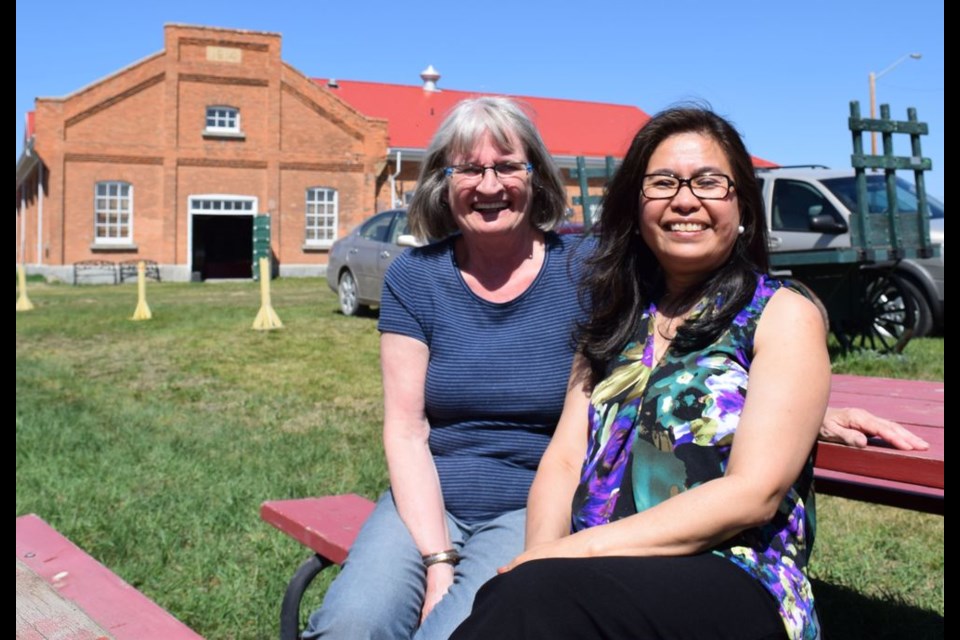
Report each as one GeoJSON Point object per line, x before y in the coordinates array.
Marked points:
{"type": "Point", "coordinates": [152, 444]}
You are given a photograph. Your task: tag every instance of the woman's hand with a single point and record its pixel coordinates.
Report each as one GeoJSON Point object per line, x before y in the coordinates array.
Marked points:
{"type": "Point", "coordinates": [853, 426]}
{"type": "Point", "coordinates": [572, 546]}
{"type": "Point", "coordinates": [439, 579]}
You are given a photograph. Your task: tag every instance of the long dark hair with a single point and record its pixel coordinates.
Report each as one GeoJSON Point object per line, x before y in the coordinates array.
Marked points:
{"type": "Point", "coordinates": [624, 276]}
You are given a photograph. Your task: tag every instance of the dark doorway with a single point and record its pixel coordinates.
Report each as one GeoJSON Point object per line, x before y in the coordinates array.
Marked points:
{"type": "Point", "coordinates": [222, 246]}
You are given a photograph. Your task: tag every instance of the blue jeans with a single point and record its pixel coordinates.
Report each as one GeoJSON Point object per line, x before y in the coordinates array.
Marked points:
{"type": "Point", "coordinates": [379, 592]}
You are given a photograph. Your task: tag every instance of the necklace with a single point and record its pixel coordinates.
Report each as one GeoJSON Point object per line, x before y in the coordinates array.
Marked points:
{"type": "Point", "coordinates": [663, 336]}
{"type": "Point", "coordinates": [667, 318]}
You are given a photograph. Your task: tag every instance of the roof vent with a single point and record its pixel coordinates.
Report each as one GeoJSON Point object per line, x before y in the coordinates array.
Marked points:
{"type": "Point", "coordinates": [332, 83]}
{"type": "Point", "coordinates": [430, 77]}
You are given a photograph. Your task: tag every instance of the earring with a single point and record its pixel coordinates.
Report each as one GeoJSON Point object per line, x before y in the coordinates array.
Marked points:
{"type": "Point", "coordinates": [741, 229]}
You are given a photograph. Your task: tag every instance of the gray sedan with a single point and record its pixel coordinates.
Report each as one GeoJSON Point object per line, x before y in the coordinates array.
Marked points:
{"type": "Point", "coordinates": [359, 260]}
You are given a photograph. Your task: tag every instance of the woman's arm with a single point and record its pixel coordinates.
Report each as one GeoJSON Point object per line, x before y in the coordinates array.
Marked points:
{"type": "Point", "coordinates": [413, 475]}
{"type": "Point", "coordinates": [551, 494]}
{"type": "Point", "coordinates": [852, 426]}
{"type": "Point", "coordinates": [789, 387]}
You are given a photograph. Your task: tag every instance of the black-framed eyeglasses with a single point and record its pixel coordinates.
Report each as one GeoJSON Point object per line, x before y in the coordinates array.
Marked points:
{"type": "Point", "coordinates": [708, 186]}
{"type": "Point", "coordinates": [470, 173]}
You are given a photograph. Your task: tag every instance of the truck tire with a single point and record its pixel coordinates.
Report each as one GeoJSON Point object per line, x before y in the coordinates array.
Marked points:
{"type": "Point", "coordinates": [923, 317]}
{"type": "Point", "coordinates": [887, 314]}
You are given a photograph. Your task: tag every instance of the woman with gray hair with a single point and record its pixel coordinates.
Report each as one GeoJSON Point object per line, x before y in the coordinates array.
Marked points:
{"type": "Point", "coordinates": [475, 350]}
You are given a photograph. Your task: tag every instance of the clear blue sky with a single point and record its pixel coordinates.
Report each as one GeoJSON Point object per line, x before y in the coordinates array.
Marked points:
{"type": "Point", "coordinates": [783, 71]}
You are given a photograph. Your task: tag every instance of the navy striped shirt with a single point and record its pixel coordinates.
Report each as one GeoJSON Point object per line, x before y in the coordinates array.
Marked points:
{"type": "Point", "coordinates": [497, 373]}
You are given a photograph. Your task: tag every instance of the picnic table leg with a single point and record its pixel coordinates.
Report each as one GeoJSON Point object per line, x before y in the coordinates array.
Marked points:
{"type": "Point", "coordinates": [290, 609]}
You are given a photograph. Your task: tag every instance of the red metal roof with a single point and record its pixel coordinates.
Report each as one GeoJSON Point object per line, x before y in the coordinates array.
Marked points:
{"type": "Point", "coordinates": [568, 127]}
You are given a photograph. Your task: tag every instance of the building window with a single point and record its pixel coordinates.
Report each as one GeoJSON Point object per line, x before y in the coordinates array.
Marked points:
{"type": "Point", "coordinates": [321, 216]}
{"type": "Point", "coordinates": [223, 120]}
{"type": "Point", "coordinates": [113, 213]}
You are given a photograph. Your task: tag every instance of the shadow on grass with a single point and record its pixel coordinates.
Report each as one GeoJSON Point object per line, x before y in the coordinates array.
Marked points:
{"type": "Point", "coordinates": [363, 312]}
{"type": "Point", "coordinates": [848, 615]}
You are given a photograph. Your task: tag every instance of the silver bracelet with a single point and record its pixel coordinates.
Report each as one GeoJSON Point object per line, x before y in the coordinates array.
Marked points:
{"type": "Point", "coordinates": [450, 556]}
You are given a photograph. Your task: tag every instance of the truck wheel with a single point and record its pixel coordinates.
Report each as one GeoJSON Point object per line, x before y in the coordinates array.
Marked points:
{"type": "Point", "coordinates": [923, 320]}
{"type": "Point", "coordinates": [887, 314]}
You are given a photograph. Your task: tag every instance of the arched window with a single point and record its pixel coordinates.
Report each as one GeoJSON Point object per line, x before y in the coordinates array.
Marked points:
{"type": "Point", "coordinates": [321, 216]}
{"type": "Point", "coordinates": [113, 213]}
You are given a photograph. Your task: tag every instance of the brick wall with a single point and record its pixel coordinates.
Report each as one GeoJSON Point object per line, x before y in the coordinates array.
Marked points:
{"type": "Point", "coordinates": [145, 125]}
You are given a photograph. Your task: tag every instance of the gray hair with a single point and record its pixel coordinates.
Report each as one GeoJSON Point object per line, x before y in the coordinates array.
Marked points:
{"type": "Point", "coordinates": [459, 133]}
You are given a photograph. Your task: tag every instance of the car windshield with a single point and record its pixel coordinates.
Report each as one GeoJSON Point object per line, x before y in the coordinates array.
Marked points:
{"type": "Point", "coordinates": [846, 190]}
{"type": "Point", "coordinates": [935, 206]}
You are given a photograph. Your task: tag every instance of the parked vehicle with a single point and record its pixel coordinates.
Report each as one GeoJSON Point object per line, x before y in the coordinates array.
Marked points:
{"type": "Point", "coordinates": [810, 207]}
{"type": "Point", "coordinates": [359, 259]}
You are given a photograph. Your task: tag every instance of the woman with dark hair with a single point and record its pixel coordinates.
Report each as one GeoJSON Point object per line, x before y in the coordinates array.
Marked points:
{"type": "Point", "coordinates": [673, 502]}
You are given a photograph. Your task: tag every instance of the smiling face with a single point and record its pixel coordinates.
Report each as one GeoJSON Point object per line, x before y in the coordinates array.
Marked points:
{"type": "Point", "coordinates": [690, 237]}
{"type": "Point", "coordinates": [493, 205]}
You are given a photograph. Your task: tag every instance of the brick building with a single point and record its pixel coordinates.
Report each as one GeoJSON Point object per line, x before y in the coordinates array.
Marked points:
{"type": "Point", "coordinates": [170, 158]}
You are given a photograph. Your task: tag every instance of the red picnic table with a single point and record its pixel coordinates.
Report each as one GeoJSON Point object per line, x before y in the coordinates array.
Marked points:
{"type": "Point", "coordinates": [880, 473]}
{"type": "Point", "coordinates": [64, 594]}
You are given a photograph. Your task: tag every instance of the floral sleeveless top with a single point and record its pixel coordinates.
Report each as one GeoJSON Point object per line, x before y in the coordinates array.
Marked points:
{"type": "Point", "coordinates": [658, 429]}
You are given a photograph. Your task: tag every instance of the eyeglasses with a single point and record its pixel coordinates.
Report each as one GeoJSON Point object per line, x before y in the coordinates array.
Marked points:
{"type": "Point", "coordinates": [473, 173]}
{"type": "Point", "coordinates": [709, 186]}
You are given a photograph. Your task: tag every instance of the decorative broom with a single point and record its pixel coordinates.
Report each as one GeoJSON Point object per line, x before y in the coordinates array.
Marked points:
{"type": "Point", "coordinates": [23, 302]}
{"type": "Point", "coordinates": [142, 312]}
{"type": "Point", "coordinates": [266, 318]}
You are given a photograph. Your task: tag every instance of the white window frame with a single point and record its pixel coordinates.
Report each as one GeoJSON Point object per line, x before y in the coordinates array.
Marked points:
{"type": "Point", "coordinates": [321, 216]}
{"type": "Point", "coordinates": [225, 120]}
{"type": "Point", "coordinates": [113, 212]}
{"type": "Point", "coordinates": [219, 204]}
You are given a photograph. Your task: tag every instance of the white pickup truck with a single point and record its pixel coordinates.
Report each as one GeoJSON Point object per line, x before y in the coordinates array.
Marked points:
{"type": "Point", "coordinates": [809, 208]}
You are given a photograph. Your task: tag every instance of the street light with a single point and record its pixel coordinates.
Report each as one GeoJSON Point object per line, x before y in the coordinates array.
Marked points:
{"type": "Point", "coordinates": [873, 94]}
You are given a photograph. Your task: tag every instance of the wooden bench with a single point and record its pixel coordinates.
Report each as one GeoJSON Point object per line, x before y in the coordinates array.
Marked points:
{"type": "Point", "coordinates": [878, 473]}
{"type": "Point", "coordinates": [94, 271]}
{"type": "Point", "coordinates": [111, 605]}
{"type": "Point", "coordinates": [328, 525]}
{"type": "Point", "coordinates": [128, 270]}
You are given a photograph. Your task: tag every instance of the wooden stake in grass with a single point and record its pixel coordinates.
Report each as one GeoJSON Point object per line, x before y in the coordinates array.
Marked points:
{"type": "Point", "coordinates": [266, 318]}
{"type": "Point", "coordinates": [23, 302]}
{"type": "Point", "coordinates": [142, 312]}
